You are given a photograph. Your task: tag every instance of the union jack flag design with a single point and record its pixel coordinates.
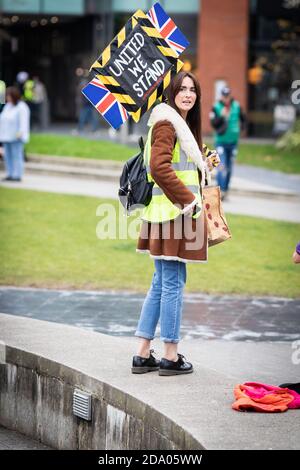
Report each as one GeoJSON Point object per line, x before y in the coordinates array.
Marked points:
{"type": "Point", "coordinates": [105, 103]}
{"type": "Point", "coordinates": [167, 28]}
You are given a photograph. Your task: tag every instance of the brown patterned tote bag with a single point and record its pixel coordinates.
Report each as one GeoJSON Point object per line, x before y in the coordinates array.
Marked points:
{"type": "Point", "coordinates": [217, 226]}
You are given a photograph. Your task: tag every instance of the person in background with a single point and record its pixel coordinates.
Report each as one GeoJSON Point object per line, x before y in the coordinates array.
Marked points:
{"type": "Point", "coordinates": [296, 254]}
{"type": "Point", "coordinates": [2, 94]}
{"type": "Point", "coordinates": [39, 100]}
{"type": "Point", "coordinates": [14, 132]}
{"type": "Point", "coordinates": [87, 114]}
{"type": "Point", "coordinates": [20, 81]}
{"type": "Point", "coordinates": [2, 102]}
{"type": "Point", "coordinates": [28, 96]}
{"type": "Point", "coordinates": [227, 120]}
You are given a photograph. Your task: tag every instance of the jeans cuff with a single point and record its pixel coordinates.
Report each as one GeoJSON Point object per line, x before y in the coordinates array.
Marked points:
{"type": "Point", "coordinates": [169, 340]}
{"type": "Point", "coordinates": [141, 334]}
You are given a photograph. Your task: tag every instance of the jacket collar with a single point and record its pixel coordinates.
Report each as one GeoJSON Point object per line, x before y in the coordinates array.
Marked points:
{"type": "Point", "coordinates": [164, 112]}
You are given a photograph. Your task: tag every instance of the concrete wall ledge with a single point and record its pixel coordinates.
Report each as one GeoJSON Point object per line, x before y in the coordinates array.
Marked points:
{"type": "Point", "coordinates": [44, 362]}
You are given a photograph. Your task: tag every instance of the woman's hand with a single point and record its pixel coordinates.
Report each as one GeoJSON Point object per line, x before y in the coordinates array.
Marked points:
{"type": "Point", "coordinates": [213, 160]}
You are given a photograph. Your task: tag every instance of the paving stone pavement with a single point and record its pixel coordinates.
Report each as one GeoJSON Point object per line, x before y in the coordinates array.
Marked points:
{"type": "Point", "coordinates": [200, 402]}
{"type": "Point", "coordinates": [226, 317]}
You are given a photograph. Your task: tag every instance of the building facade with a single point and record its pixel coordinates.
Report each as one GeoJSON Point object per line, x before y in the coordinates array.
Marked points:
{"type": "Point", "coordinates": [254, 47]}
{"type": "Point", "coordinates": [251, 45]}
{"type": "Point", "coordinates": [58, 40]}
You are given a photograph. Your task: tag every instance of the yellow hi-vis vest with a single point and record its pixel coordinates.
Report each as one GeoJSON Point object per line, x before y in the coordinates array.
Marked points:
{"type": "Point", "coordinates": [161, 209]}
{"type": "Point", "coordinates": [2, 92]}
{"type": "Point", "coordinates": [28, 90]}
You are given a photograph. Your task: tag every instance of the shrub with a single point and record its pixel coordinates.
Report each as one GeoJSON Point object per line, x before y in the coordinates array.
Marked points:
{"type": "Point", "coordinates": [291, 139]}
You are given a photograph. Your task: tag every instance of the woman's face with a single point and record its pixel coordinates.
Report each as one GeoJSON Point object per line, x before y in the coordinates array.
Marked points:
{"type": "Point", "coordinates": [8, 98]}
{"type": "Point", "coordinates": [186, 97]}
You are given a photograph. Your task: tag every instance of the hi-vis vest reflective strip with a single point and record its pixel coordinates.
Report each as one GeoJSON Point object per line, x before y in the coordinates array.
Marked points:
{"type": "Point", "coordinates": [161, 209]}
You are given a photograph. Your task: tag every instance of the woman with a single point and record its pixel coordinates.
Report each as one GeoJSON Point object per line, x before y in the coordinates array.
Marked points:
{"type": "Point", "coordinates": [174, 228]}
{"type": "Point", "coordinates": [14, 132]}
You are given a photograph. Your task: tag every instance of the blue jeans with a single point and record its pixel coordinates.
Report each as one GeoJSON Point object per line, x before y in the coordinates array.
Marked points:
{"type": "Point", "coordinates": [14, 158]}
{"type": "Point", "coordinates": [164, 301]}
{"type": "Point", "coordinates": [227, 153]}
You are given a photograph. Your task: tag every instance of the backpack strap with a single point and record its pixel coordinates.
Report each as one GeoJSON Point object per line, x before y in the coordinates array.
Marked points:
{"type": "Point", "coordinates": [141, 144]}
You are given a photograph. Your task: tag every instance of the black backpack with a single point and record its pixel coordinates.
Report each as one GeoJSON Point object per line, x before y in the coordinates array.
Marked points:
{"type": "Point", "coordinates": [135, 189]}
{"type": "Point", "coordinates": [219, 123]}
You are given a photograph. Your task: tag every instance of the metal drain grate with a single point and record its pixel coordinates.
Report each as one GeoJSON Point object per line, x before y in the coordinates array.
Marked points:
{"type": "Point", "coordinates": [82, 405]}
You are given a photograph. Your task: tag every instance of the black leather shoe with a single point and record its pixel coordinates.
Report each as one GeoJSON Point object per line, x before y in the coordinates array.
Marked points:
{"type": "Point", "coordinates": [141, 365]}
{"type": "Point", "coordinates": [7, 178]}
{"type": "Point", "coordinates": [175, 367]}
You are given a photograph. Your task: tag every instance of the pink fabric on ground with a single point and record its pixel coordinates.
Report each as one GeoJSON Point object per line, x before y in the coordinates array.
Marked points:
{"type": "Point", "coordinates": [259, 390]}
{"type": "Point", "coordinates": [257, 396]}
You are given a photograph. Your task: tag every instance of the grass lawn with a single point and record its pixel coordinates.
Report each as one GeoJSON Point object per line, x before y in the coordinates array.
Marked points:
{"type": "Point", "coordinates": [74, 146]}
{"type": "Point", "coordinates": [252, 154]}
{"type": "Point", "coordinates": [49, 240]}
{"type": "Point", "coordinates": [268, 156]}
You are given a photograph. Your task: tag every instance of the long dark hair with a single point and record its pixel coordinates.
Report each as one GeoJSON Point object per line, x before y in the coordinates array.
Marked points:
{"type": "Point", "coordinates": [193, 118]}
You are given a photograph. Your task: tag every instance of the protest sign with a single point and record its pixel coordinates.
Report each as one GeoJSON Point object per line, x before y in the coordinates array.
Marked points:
{"type": "Point", "coordinates": [137, 66]}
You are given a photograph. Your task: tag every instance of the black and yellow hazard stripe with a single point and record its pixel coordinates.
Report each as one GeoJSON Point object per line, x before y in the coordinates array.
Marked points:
{"type": "Point", "coordinates": [115, 88]}
{"type": "Point", "coordinates": [206, 151]}
{"type": "Point", "coordinates": [158, 93]}
{"type": "Point", "coordinates": [99, 65]}
{"type": "Point", "coordinates": [158, 39]}
{"type": "Point", "coordinates": [115, 44]}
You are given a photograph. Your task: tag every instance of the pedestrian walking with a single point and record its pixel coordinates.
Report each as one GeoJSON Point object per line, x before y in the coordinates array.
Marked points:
{"type": "Point", "coordinates": [227, 120]}
{"type": "Point", "coordinates": [174, 230]}
{"type": "Point", "coordinates": [14, 132]}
